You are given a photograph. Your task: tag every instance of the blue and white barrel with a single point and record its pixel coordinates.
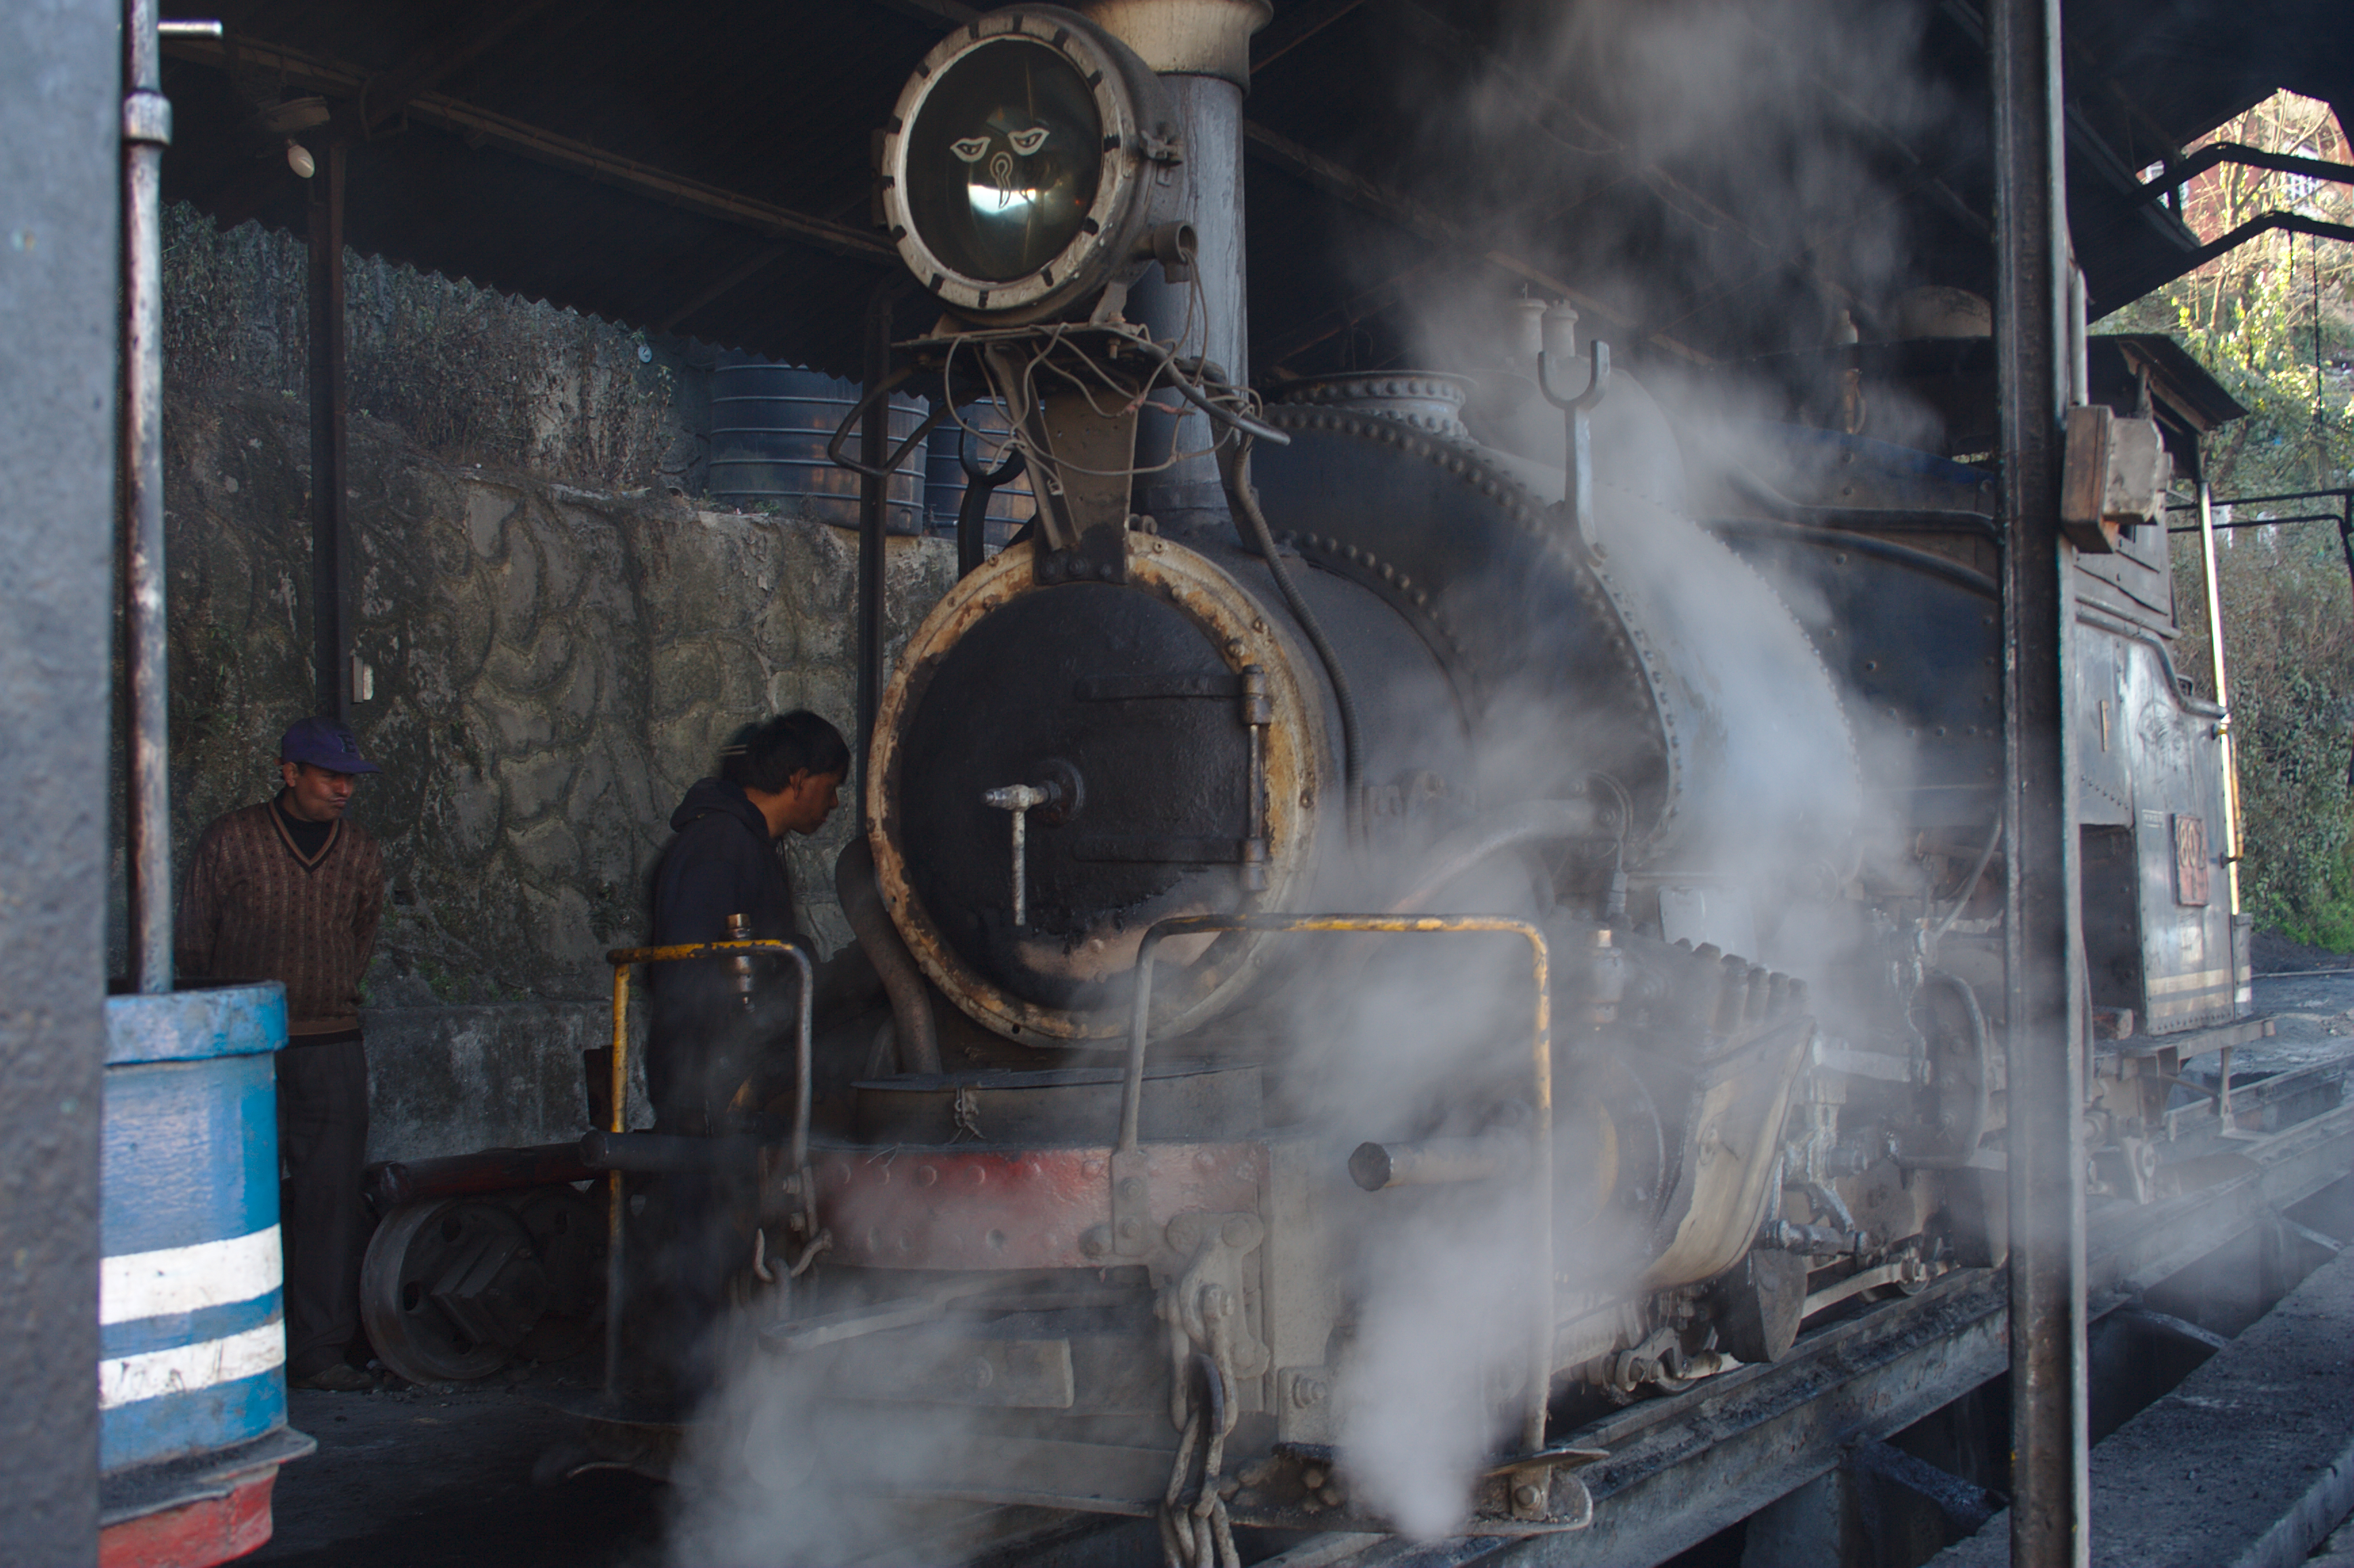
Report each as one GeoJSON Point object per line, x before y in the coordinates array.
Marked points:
{"type": "Point", "coordinates": [192, 1333]}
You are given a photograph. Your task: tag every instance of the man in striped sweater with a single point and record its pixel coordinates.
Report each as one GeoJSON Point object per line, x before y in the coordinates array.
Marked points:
{"type": "Point", "coordinates": [289, 891]}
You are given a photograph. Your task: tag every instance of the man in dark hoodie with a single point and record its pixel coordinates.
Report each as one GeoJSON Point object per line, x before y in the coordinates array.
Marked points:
{"type": "Point", "coordinates": [777, 776]}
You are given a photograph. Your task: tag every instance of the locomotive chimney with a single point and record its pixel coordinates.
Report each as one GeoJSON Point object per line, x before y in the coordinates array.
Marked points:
{"type": "Point", "coordinates": [1201, 50]}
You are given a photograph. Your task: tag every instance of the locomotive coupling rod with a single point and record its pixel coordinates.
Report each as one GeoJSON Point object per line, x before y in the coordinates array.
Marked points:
{"type": "Point", "coordinates": [616, 1201]}
{"type": "Point", "coordinates": [1130, 1208]}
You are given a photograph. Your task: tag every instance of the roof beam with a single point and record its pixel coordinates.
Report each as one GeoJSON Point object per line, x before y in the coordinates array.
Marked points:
{"type": "Point", "coordinates": [2192, 260]}
{"type": "Point", "coordinates": [384, 96]}
{"type": "Point", "coordinates": [2177, 176]}
{"type": "Point", "coordinates": [1294, 25]}
{"type": "Point", "coordinates": [743, 272]}
{"type": "Point", "coordinates": [334, 80]}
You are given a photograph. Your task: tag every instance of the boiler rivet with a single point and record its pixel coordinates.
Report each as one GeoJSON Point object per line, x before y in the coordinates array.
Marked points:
{"type": "Point", "coordinates": [925, 1175]}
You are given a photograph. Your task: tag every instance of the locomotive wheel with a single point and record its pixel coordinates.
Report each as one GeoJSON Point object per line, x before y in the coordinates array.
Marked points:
{"type": "Point", "coordinates": [448, 1288]}
{"type": "Point", "coordinates": [567, 1227]}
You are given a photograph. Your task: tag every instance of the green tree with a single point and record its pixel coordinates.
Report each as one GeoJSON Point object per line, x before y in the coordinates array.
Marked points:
{"type": "Point", "coordinates": [2272, 321]}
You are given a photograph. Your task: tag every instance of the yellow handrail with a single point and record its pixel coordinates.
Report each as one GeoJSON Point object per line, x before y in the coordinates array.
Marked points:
{"type": "Point", "coordinates": [623, 960]}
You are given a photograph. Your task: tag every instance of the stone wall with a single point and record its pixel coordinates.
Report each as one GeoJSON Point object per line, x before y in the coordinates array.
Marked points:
{"type": "Point", "coordinates": [553, 667]}
{"type": "Point", "coordinates": [561, 641]}
{"type": "Point", "coordinates": [455, 1079]}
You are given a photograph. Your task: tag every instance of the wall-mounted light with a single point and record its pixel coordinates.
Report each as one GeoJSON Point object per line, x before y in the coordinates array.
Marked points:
{"type": "Point", "coordinates": [282, 123]}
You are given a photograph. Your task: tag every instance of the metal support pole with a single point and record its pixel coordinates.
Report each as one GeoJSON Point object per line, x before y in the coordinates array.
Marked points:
{"type": "Point", "coordinates": [2222, 692]}
{"type": "Point", "coordinates": [61, 168]}
{"type": "Point", "coordinates": [146, 130]}
{"type": "Point", "coordinates": [330, 636]}
{"type": "Point", "coordinates": [873, 488]}
{"type": "Point", "coordinates": [2043, 915]}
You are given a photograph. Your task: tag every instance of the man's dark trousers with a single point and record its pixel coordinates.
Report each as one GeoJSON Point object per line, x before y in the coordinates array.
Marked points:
{"type": "Point", "coordinates": [322, 1120]}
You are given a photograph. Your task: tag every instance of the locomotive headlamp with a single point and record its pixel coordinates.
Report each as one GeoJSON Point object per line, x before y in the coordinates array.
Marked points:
{"type": "Point", "coordinates": [1017, 169]}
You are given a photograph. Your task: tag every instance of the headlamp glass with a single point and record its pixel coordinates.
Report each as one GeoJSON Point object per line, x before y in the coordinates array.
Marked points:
{"type": "Point", "coordinates": [1002, 160]}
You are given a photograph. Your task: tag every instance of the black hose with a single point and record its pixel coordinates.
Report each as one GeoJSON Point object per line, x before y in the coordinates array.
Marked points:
{"type": "Point", "coordinates": [911, 1004]}
{"type": "Point", "coordinates": [1234, 470]}
{"type": "Point", "coordinates": [972, 516]}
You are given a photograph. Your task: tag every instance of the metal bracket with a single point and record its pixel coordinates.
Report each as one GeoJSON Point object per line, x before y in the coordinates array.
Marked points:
{"type": "Point", "coordinates": [2114, 477]}
{"type": "Point", "coordinates": [1131, 1202]}
{"type": "Point", "coordinates": [146, 118]}
{"type": "Point", "coordinates": [1540, 1488]}
{"type": "Point", "coordinates": [1578, 472]}
{"type": "Point", "coordinates": [1257, 713]}
{"type": "Point", "coordinates": [1099, 554]}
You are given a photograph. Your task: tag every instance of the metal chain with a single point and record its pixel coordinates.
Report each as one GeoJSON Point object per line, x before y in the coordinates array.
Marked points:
{"type": "Point", "coordinates": [1199, 1534]}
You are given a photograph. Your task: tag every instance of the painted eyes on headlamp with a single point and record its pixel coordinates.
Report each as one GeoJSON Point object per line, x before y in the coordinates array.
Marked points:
{"type": "Point", "coordinates": [972, 149]}
{"type": "Point", "coordinates": [992, 202]}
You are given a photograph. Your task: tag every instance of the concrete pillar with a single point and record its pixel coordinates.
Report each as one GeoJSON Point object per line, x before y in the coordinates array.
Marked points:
{"type": "Point", "coordinates": [60, 150]}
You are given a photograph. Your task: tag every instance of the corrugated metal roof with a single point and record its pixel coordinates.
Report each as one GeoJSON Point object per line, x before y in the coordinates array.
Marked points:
{"type": "Point", "coordinates": [704, 170]}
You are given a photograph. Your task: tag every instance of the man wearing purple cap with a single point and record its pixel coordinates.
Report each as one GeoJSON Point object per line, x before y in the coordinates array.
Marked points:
{"type": "Point", "coordinates": [289, 891]}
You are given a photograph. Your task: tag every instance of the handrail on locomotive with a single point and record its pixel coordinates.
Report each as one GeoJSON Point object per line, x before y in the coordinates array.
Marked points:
{"type": "Point", "coordinates": [624, 960]}
{"type": "Point", "coordinates": [1127, 1158]}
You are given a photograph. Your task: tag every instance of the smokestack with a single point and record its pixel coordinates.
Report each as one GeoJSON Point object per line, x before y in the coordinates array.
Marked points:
{"type": "Point", "coordinates": [1201, 50]}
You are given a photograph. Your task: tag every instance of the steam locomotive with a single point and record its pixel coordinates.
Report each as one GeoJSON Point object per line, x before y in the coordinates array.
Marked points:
{"type": "Point", "coordinates": [1465, 871]}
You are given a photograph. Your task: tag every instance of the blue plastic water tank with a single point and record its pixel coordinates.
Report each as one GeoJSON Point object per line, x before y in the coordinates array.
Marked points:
{"type": "Point", "coordinates": [770, 426]}
{"type": "Point", "coordinates": [984, 433]}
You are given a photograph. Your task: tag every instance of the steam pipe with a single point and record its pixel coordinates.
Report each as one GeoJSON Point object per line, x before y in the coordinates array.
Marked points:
{"type": "Point", "coordinates": [1435, 1162]}
{"type": "Point", "coordinates": [1493, 833]}
{"type": "Point", "coordinates": [1201, 51]}
{"type": "Point", "coordinates": [1233, 469]}
{"type": "Point", "coordinates": [147, 129]}
{"type": "Point", "coordinates": [911, 1003]}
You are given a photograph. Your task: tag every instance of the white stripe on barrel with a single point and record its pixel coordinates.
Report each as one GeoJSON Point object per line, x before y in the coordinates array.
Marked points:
{"type": "Point", "coordinates": [188, 1278]}
{"type": "Point", "coordinates": [184, 1369]}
